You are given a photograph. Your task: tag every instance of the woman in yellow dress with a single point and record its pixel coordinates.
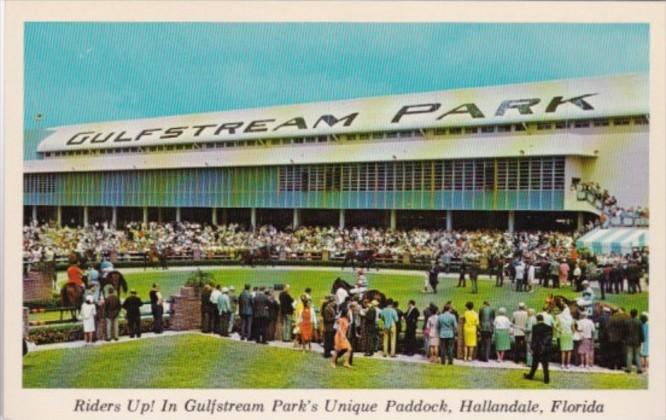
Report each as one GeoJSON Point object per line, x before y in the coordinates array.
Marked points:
{"type": "Point", "coordinates": [470, 328]}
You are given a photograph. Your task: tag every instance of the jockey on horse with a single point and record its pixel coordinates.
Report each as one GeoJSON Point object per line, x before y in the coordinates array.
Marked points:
{"type": "Point", "coordinates": [586, 301]}
{"type": "Point", "coordinates": [361, 284]}
{"type": "Point", "coordinates": [75, 275]}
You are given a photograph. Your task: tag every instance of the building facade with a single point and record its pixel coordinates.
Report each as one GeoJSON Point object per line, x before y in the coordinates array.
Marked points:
{"type": "Point", "coordinates": [502, 157]}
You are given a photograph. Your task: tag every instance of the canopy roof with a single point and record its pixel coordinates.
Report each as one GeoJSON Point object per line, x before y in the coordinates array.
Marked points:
{"type": "Point", "coordinates": [615, 240]}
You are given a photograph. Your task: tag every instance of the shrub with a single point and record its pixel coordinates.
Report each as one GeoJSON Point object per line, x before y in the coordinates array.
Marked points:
{"type": "Point", "coordinates": [199, 279]}
{"type": "Point", "coordinates": [74, 331]}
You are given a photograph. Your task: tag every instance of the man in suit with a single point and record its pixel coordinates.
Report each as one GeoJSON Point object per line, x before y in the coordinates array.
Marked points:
{"type": "Point", "coordinates": [328, 316]}
{"type": "Point", "coordinates": [486, 325]}
{"type": "Point", "coordinates": [132, 306]}
{"type": "Point", "coordinates": [542, 338]}
{"type": "Point", "coordinates": [245, 311]}
{"type": "Point", "coordinates": [206, 321]}
{"type": "Point", "coordinates": [474, 276]}
{"type": "Point", "coordinates": [371, 328]}
{"type": "Point", "coordinates": [260, 313]}
{"type": "Point", "coordinates": [433, 275]}
{"type": "Point", "coordinates": [463, 272]}
{"type": "Point", "coordinates": [286, 313]}
{"type": "Point", "coordinates": [447, 326]}
{"type": "Point", "coordinates": [111, 311]}
{"type": "Point", "coordinates": [411, 319]}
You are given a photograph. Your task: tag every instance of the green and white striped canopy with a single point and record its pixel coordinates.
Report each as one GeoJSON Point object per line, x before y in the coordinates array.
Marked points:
{"type": "Point", "coordinates": [616, 240]}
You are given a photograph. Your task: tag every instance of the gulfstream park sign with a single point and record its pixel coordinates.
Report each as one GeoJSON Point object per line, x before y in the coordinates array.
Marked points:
{"type": "Point", "coordinates": [521, 106]}
{"type": "Point", "coordinates": [402, 112]}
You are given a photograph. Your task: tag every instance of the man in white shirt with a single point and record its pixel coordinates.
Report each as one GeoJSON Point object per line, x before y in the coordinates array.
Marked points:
{"type": "Point", "coordinates": [520, 325]}
{"type": "Point", "coordinates": [214, 298]}
{"type": "Point", "coordinates": [547, 317]}
{"type": "Point", "coordinates": [520, 275]}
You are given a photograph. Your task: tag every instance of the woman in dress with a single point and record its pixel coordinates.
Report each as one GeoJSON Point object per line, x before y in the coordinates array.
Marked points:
{"type": "Point", "coordinates": [432, 332]}
{"type": "Point", "coordinates": [564, 328]}
{"type": "Point", "coordinates": [306, 326]}
{"type": "Point", "coordinates": [298, 310]}
{"type": "Point", "coordinates": [645, 344]}
{"type": "Point", "coordinates": [470, 328]}
{"type": "Point", "coordinates": [88, 312]}
{"type": "Point", "coordinates": [502, 334]}
{"type": "Point", "coordinates": [341, 343]}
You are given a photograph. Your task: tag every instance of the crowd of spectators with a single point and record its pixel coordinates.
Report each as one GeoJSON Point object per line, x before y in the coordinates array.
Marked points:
{"type": "Point", "coordinates": [615, 339]}
{"type": "Point", "coordinates": [44, 242]}
{"type": "Point", "coordinates": [611, 213]}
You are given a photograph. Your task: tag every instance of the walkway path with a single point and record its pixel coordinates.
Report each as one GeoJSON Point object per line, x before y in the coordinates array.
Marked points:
{"type": "Point", "coordinates": [317, 348]}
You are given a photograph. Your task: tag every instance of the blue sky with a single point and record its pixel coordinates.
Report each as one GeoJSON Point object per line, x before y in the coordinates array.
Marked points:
{"type": "Point", "coordinates": [86, 72]}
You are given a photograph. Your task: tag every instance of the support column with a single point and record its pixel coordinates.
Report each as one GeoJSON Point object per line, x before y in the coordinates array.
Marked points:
{"type": "Point", "coordinates": [214, 216]}
{"type": "Point", "coordinates": [224, 216]}
{"type": "Point", "coordinates": [449, 220]}
{"type": "Point", "coordinates": [114, 216]}
{"type": "Point", "coordinates": [34, 214]}
{"type": "Point", "coordinates": [159, 215]}
{"type": "Point", "coordinates": [178, 214]}
{"type": "Point", "coordinates": [145, 216]}
{"type": "Point", "coordinates": [512, 221]}
{"type": "Point", "coordinates": [393, 219]}
{"type": "Point", "coordinates": [85, 216]}
{"type": "Point", "coordinates": [253, 218]}
{"type": "Point", "coordinates": [341, 219]}
{"type": "Point", "coordinates": [580, 225]}
{"type": "Point", "coordinates": [59, 215]}
{"type": "Point", "coordinates": [296, 222]}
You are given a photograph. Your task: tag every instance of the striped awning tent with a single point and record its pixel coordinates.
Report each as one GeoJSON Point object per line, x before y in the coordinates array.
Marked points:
{"type": "Point", "coordinates": [616, 240]}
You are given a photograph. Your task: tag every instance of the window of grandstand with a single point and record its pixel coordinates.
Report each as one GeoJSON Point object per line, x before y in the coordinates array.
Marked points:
{"type": "Point", "coordinates": [460, 175]}
{"type": "Point", "coordinates": [39, 183]}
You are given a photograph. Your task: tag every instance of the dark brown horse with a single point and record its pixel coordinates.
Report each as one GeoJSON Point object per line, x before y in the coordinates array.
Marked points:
{"type": "Point", "coordinates": [71, 297]}
{"type": "Point", "coordinates": [253, 256]}
{"type": "Point", "coordinates": [559, 302]}
{"type": "Point", "coordinates": [371, 294]}
{"type": "Point", "coordinates": [151, 258]}
{"type": "Point", "coordinates": [116, 279]}
{"type": "Point", "coordinates": [364, 258]}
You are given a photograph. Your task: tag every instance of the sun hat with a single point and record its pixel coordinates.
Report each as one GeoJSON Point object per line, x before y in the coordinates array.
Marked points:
{"type": "Point", "coordinates": [374, 302]}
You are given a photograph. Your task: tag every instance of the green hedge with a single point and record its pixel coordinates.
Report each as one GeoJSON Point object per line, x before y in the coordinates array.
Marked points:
{"type": "Point", "coordinates": [74, 332]}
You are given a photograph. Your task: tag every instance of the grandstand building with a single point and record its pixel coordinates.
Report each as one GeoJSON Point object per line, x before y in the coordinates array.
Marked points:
{"type": "Point", "coordinates": [505, 157]}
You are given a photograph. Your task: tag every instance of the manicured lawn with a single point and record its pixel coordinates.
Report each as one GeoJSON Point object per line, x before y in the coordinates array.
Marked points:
{"type": "Point", "coordinates": [401, 287]}
{"type": "Point", "coordinates": [197, 361]}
